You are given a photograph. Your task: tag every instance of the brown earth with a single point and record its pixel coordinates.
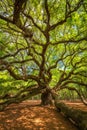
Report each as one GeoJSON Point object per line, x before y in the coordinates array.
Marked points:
{"type": "Point", "coordinates": [77, 105]}
{"type": "Point", "coordinates": [29, 115]}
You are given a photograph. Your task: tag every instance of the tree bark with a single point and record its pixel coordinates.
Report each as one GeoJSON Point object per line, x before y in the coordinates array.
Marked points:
{"type": "Point", "coordinates": [46, 98]}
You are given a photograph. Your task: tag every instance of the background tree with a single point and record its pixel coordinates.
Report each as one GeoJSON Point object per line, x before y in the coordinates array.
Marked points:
{"type": "Point", "coordinates": [43, 49]}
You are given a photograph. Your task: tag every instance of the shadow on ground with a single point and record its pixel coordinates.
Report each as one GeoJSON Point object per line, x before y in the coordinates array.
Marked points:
{"type": "Point", "coordinates": [31, 116]}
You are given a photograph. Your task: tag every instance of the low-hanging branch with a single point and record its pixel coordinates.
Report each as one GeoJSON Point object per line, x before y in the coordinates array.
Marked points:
{"type": "Point", "coordinates": [81, 96]}
{"type": "Point", "coordinates": [22, 95]}
{"type": "Point", "coordinates": [61, 87]}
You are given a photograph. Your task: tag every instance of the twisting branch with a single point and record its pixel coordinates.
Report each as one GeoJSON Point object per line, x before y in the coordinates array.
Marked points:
{"type": "Point", "coordinates": [22, 95]}
{"type": "Point", "coordinates": [78, 5]}
{"type": "Point", "coordinates": [48, 13]}
{"type": "Point", "coordinates": [75, 82]}
{"type": "Point", "coordinates": [79, 94]}
{"type": "Point", "coordinates": [14, 54]}
{"type": "Point", "coordinates": [9, 68]}
{"type": "Point", "coordinates": [70, 41]}
{"type": "Point", "coordinates": [30, 17]}
{"type": "Point", "coordinates": [59, 59]}
{"type": "Point", "coordinates": [52, 27]}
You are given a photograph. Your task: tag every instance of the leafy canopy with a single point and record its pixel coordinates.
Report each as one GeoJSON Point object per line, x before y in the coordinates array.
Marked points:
{"type": "Point", "coordinates": [43, 43]}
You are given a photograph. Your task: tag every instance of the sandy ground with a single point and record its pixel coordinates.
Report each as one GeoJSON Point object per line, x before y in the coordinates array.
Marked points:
{"type": "Point", "coordinates": [29, 115]}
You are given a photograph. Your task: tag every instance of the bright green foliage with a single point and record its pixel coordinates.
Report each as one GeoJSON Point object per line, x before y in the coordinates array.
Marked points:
{"type": "Point", "coordinates": [46, 45]}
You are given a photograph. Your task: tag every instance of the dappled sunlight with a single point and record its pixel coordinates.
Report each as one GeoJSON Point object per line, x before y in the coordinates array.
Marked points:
{"type": "Point", "coordinates": [37, 120]}
{"type": "Point", "coordinates": [33, 117]}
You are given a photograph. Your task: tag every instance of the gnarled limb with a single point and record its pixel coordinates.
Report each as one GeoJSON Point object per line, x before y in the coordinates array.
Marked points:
{"type": "Point", "coordinates": [20, 96]}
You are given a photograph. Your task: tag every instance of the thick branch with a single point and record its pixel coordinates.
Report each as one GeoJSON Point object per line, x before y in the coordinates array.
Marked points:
{"type": "Point", "coordinates": [21, 96]}
{"type": "Point", "coordinates": [18, 7]}
{"type": "Point", "coordinates": [48, 13]}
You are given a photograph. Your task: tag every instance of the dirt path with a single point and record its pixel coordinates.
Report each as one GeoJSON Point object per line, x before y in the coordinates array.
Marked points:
{"type": "Point", "coordinates": [28, 116]}
{"type": "Point", "coordinates": [77, 105]}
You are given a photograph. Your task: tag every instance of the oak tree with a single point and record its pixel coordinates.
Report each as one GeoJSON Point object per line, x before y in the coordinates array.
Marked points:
{"type": "Point", "coordinates": [43, 49]}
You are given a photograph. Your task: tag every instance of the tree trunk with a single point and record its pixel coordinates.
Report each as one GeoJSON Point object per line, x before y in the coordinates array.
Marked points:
{"type": "Point", "coordinates": [46, 98]}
